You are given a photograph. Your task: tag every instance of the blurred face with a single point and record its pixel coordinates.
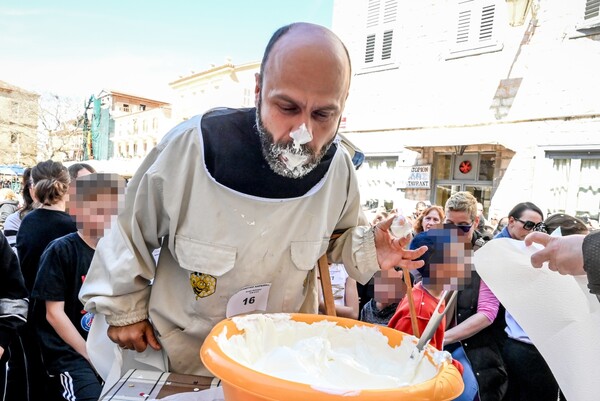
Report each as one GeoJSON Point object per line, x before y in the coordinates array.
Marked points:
{"type": "Point", "coordinates": [95, 202]}
{"type": "Point", "coordinates": [432, 219]}
{"type": "Point", "coordinates": [303, 91]}
{"type": "Point", "coordinates": [479, 209]}
{"type": "Point", "coordinates": [389, 287]}
{"type": "Point", "coordinates": [521, 226]}
{"type": "Point", "coordinates": [81, 173]}
{"type": "Point", "coordinates": [93, 217]}
{"type": "Point", "coordinates": [450, 266]}
{"type": "Point", "coordinates": [455, 271]}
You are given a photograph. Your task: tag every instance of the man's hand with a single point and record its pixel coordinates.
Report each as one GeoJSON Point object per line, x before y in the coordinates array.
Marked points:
{"type": "Point", "coordinates": [391, 251]}
{"type": "Point", "coordinates": [1, 352]}
{"type": "Point", "coordinates": [135, 336]}
{"type": "Point", "coordinates": [563, 254]}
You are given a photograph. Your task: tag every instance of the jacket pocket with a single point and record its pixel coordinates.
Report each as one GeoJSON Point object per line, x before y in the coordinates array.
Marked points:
{"type": "Point", "coordinates": [305, 254]}
{"type": "Point", "coordinates": [203, 257]}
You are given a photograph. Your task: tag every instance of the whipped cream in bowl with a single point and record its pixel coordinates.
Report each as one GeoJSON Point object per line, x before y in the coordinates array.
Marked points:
{"type": "Point", "coordinates": [323, 357]}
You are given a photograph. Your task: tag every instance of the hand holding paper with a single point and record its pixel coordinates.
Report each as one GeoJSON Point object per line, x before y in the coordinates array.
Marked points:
{"type": "Point", "coordinates": [563, 254]}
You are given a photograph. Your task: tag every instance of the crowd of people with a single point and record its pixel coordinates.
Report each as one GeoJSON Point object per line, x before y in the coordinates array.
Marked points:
{"type": "Point", "coordinates": [48, 244]}
{"type": "Point", "coordinates": [245, 202]}
{"type": "Point", "coordinates": [499, 360]}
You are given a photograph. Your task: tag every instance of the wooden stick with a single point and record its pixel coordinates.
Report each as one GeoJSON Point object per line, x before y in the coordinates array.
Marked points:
{"type": "Point", "coordinates": [326, 286]}
{"type": "Point", "coordinates": [411, 303]}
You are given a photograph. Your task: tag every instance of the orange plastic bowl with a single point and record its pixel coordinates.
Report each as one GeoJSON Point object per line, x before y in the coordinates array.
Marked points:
{"type": "Point", "coordinates": [241, 383]}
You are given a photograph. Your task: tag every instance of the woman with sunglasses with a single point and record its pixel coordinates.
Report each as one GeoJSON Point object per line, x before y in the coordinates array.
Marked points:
{"type": "Point", "coordinates": [529, 377]}
{"type": "Point", "coordinates": [522, 219]}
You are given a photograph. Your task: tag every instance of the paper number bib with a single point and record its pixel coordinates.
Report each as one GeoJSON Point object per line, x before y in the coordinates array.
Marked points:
{"type": "Point", "coordinates": [249, 299]}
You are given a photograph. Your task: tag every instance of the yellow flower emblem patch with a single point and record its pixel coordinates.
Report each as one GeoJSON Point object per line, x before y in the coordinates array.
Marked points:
{"type": "Point", "coordinates": [203, 284]}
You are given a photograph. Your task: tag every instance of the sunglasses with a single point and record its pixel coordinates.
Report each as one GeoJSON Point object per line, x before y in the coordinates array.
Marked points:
{"type": "Point", "coordinates": [463, 227]}
{"type": "Point", "coordinates": [530, 225]}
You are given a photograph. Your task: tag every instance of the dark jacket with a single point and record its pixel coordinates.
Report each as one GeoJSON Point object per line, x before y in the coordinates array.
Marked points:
{"type": "Point", "coordinates": [484, 349]}
{"type": "Point", "coordinates": [13, 295]}
{"type": "Point", "coordinates": [591, 261]}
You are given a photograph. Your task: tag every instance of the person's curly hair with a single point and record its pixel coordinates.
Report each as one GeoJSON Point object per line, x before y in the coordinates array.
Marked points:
{"type": "Point", "coordinates": [418, 224]}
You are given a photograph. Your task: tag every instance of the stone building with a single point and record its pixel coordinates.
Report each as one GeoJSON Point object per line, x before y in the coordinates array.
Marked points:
{"type": "Point", "coordinates": [124, 125]}
{"type": "Point", "coordinates": [19, 112]}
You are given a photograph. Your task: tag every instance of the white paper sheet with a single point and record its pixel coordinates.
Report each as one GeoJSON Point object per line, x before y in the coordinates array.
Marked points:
{"type": "Point", "coordinates": [558, 313]}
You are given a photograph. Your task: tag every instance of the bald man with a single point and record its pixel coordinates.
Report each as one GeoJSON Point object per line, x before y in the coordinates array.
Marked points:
{"type": "Point", "coordinates": [245, 202]}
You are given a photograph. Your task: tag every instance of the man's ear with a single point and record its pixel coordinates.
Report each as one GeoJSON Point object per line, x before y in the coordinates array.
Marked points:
{"type": "Point", "coordinates": [257, 89]}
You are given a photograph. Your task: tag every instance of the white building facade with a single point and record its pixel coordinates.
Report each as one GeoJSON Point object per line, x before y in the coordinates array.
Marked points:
{"type": "Point", "coordinates": [227, 85]}
{"type": "Point", "coordinates": [496, 97]}
{"type": "Point", "coordinates": [137, 133]}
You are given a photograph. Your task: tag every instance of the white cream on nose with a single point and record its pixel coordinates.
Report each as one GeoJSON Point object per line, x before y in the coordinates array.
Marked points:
{"type": "Point", "coordinates": [297, 157]}
{"type": "Point", "coordinates": [301, 136]}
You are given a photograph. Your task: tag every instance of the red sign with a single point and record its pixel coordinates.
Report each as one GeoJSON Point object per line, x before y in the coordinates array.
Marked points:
{"type": "Point", "coordinates": [465, 167]}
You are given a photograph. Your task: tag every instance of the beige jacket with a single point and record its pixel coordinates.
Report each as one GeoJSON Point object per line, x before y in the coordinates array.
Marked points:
{"type": "Point", "coordinates": [217, 241]}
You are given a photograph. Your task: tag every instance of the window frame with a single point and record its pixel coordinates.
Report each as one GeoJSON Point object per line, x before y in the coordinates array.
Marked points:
{"type": "Point", "coordinates": [590, 26]}
{"type": "Point", "coordinates": [473, 19]}
{"type": "Point", "coordinates": [379, 40]}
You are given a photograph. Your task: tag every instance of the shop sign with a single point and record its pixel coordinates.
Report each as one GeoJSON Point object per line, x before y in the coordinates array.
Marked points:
{"type": "Point", "coordinates": [415, 177]}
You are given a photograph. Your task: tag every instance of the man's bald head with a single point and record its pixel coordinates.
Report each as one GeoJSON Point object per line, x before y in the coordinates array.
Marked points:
{"type": "Point", "coordinates": [303, 83]}
{"type": "Point", "coordinates": [302, 34]}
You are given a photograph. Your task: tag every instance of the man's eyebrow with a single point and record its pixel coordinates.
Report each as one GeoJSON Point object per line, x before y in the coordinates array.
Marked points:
{"type": "Point", "coordinates": [286, 98]}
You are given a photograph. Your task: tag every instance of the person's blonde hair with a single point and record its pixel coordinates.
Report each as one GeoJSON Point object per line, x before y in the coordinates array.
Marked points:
{"type": "Point", "coordinates": [8, 194]}
{"type": "Point", "coordinates": [462, 202]}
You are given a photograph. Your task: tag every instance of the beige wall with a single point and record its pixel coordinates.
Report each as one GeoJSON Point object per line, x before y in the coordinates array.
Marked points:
{"type": "Point", "coordinates": [19, 112]}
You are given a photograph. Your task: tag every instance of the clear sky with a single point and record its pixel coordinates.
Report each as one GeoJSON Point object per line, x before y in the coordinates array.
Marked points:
{"type": "Point", "coordinates": [76, 48]}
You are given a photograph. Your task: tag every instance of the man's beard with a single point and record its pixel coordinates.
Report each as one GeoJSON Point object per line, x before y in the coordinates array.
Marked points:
{"type": "Point", "coordinates": [273, 152]}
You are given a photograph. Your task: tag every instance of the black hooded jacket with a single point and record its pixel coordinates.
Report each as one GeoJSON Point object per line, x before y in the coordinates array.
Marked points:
{"type": "Point", "coordinates": [484, 349]}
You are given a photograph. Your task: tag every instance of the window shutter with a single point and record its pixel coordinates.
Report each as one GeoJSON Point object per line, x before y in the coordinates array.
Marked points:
{"type": "Point", "coordinates": [486, 28]}
{"type": "Point", "coordinates": [390, 11]}
{"type": "Point", "coordinates": [592, 9]}
{"type": "Point", "coordinates": [475, 28]}
{"type": "Point", "coordinates": [370, 49]}
{"type": "Point", "coordinates": [464, 25]}
{"type": "Point", "coordinates": [386, 51]}
{"type": "Point", "coordinates": [373, 13]}
{"type": "Point", "coordinates": [591, 15]}
{"type": "Point", "coordinates": [372, 23]}
{"type": "Point", "coordinates": [379, 35]}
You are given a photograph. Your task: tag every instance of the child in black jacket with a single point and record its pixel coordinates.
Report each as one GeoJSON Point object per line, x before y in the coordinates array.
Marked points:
{"type": "Point", "coordinates": [13, 304]}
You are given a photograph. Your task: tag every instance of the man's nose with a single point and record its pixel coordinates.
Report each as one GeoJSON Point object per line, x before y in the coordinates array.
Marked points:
{"type": "Point", "coordinates": [307, 123]}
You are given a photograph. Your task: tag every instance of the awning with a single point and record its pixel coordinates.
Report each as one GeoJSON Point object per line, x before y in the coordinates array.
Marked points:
{"type": "Point", "coordinates": [7, 171]}
{"type": "Point", "coordinates": [390, 141]}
